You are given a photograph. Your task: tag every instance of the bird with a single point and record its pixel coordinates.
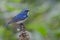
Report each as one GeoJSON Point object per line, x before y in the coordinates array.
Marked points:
{"type": "Point", "coordinates": [20, 17]}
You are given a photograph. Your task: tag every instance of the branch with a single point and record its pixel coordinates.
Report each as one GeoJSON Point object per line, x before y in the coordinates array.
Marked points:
{"type": "Point", "coordinates": [24, 35]}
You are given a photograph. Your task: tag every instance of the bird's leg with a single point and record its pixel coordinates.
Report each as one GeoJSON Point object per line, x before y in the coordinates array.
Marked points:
{"type": "Point", "coordinates": [22, 27]}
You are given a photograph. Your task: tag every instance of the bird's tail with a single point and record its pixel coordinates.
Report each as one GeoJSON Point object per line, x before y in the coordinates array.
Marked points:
{"type": "Point", "coordinates": [7, 24]}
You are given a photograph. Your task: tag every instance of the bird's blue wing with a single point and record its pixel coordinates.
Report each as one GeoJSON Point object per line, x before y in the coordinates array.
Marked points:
{"type": "Point", "coordinates": [18, 18]}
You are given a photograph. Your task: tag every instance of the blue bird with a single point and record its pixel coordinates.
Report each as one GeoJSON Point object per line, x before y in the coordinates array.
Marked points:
{"type": "Point", "coordinates": [20, 17]}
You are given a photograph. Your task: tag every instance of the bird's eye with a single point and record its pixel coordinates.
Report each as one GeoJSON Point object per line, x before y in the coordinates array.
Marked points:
{"type": "Point", "coordinates": [27, 10]}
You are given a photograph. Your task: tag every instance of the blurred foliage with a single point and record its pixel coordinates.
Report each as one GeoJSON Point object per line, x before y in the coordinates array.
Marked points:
{"type": "Point", "coordinates": [41, 18]}
{"type": "Point", "coordinates": [10, 8]}
{"type": "Point", "coordinates": [15, 1]}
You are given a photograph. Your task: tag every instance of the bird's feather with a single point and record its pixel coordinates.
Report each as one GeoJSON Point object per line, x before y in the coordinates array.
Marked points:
{"type": "Point", "coordinates": [21, 16]}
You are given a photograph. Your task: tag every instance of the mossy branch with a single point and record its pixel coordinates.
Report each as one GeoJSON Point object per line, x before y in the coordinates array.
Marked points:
{"type": "Point", "coordinates": [24, 35]}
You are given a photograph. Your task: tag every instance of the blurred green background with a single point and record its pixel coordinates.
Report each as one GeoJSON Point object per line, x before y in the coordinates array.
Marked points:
{"type": "Point", "coordinates": [43, 22]}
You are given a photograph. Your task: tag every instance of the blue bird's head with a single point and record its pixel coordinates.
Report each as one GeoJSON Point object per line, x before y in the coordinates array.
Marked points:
{"type": "Point", "coordinates": [26, 10]}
